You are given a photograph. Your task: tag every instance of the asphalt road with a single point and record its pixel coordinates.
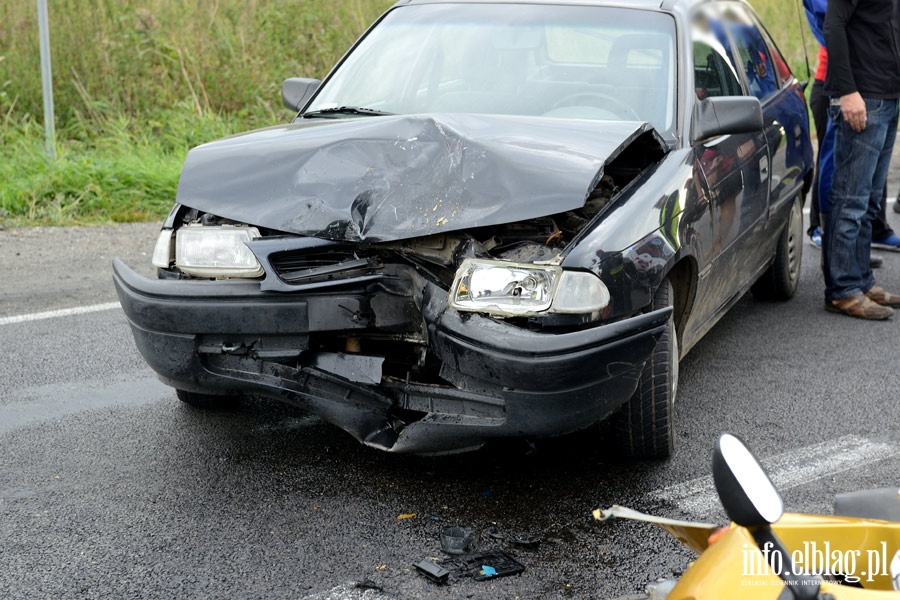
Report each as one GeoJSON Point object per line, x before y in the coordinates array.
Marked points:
{"type": "Point", "coordinates": [109, 487]}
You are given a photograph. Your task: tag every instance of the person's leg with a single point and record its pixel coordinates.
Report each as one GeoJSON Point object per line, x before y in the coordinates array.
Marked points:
{"type": "Point", "coordinates": [860, 166]}
{"type": "Point", "coordinates": [818, 105]}
{"type": "Point", "coordinates": [887, 114]}
{"type": "Point", "coordinates": [826, 166]}
{"type": "Point", "coordinates": [882, 234]}
{"type": "Point", "coordinates": [880, 227]}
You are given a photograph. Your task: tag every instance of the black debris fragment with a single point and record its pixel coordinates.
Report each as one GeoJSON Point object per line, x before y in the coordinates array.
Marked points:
{"type": "Point", "coordinates": [456, 539]}
{"type": "Point", "coordinates": [528, 543]}
{"type": "Point", "coordinates": [433, 571]}
{"type": "Point", "coordinates": [484, 565]}
{"type": "Point", "coordinates": [368, 584]}
{"type": "Point", "coordinates": [479, 566]}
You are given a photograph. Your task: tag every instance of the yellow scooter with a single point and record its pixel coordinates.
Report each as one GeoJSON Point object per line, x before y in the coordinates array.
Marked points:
{"type": "Point", "coordinates": [769, 554]}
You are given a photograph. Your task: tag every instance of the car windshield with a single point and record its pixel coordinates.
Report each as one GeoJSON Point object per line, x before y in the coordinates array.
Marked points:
{"type": "Point", "coordinates": [582, 62]}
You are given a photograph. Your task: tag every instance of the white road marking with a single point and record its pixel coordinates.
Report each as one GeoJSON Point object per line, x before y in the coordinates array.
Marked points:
{"type": "Point", "coordinates": [347, 591]}
{"type": "Point", "coordinates": [54, 314]}
{"type": "Point", "coordinates": [787, 470]}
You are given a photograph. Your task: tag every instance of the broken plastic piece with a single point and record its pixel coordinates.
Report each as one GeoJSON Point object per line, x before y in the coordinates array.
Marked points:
{"type": "Point", "coordinates": [433, 571]}
{"type": "Point", "coordinates": [406, 516]}
{"type": "Point", "coordinates": [692, 534]}
{"type": "Point", "coordinates": [458, 540]}
{"type": "Point", "coordinates": [474, 564]}
{"type": "Point", "coordinates": [527, 543]}
{"type": "Point", "coordinates": [501, 563]}
{"type": "Point", "coordinates": [488, 571]}
{"type": "Point", "coordinates": [361, 369]}
{"type": "Point", "coordinates": [660, 589]}
{"type": "Point", "coordinates": [530, 543]}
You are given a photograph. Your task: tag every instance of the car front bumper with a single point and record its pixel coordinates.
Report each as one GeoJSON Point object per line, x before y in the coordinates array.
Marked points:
{"type": "Point", "coordinates": [496, 379]}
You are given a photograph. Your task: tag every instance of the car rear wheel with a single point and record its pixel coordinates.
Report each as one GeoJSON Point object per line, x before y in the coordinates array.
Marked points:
{"type": "Point", "coordinates": [644, 427]}
{"type": "Point", "coordinates": [780, 280]}
{"type": "Point", "coordinates": [206, 401]}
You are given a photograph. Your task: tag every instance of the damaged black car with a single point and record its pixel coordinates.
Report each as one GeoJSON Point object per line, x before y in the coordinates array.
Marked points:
{"type": "Point", "coordinates": [490, 220]}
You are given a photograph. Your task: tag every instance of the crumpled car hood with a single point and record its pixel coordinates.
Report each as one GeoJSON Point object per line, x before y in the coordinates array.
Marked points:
{"type": "Point", "coordinates": [404, 176]}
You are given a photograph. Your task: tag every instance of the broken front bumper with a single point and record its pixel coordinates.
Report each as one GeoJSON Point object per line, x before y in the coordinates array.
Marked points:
{"type": "Point", "coordinates": [498, 379]}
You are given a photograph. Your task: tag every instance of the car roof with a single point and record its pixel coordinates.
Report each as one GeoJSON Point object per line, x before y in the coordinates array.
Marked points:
{"type": "Point", "coordinates": [660, 5]}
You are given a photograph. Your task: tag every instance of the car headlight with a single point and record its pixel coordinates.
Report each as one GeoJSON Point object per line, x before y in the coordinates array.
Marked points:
{"type": "Point", "coordinates": [216, 251]}
{"type": "Point", "coordinates": [515, 289]}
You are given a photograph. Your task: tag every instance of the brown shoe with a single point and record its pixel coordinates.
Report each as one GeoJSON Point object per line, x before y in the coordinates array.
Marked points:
{"type": "Point", "coordinates": [877, 295]}
{"type": "Point", "coordinates": [861, 307]}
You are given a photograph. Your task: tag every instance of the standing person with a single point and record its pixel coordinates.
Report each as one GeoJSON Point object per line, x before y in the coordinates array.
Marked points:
{"type": "Point", "coordinates": [863, 82]}
{"type": "Point", "coordinates": [882, 235]}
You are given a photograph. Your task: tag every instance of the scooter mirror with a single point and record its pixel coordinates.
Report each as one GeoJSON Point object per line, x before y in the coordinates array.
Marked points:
{"type": "Point", "coordinates": [746, 492]}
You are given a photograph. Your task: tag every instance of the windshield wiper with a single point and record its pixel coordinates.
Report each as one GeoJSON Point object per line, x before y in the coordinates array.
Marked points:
{"type": "Point", "coordinates": [346, 110]}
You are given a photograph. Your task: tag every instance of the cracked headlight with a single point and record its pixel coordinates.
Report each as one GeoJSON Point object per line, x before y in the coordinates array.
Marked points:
{"type": "Point", "coordinates": [515, 289]}
{"type": "Point", "coordinates": [207, 251]}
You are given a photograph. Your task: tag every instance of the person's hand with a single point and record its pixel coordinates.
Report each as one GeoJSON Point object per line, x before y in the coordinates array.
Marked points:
{"type": "Point", "coordinates": [853, 107]}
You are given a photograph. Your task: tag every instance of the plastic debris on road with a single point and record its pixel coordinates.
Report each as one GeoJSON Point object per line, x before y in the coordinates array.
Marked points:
{"type": "Point", "coordinates": [458, 540]}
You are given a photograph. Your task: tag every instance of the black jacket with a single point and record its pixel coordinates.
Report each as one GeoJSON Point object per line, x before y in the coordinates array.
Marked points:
{"type": "Point", "coordinates": [863, 41]}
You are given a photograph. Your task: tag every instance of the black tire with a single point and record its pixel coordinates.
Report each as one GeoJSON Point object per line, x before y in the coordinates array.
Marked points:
{"type": "Point", "coordinates": [780, 280]}
{"type": "Point", "coordinates": [207, 401]}
{"type": "Point", "coordinates": [645, 425]}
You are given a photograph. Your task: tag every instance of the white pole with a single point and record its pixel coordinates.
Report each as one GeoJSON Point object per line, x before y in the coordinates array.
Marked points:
{"type": "Point", "coordinates": [46, 78]}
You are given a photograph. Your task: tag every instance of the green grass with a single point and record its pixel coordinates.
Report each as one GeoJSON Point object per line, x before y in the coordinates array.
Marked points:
{"type": "Point", "coordinates": [113, 171]}
{"type": "Point", "coordinates": [786, 23]}
{"type": "Point", "coordinates": [137, 84]}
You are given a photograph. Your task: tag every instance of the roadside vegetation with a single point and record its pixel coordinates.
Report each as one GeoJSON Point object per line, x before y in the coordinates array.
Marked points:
{"type": "Point", "coordinates": [137, 84]}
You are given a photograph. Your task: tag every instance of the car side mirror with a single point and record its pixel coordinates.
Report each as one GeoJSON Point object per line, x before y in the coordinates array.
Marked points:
{"type": "Point", "coordinates": [747, 494]}
{"type": "Point", "coordinates": [295, 91]}
{"type": "Point", "coordinates": [723, 115]}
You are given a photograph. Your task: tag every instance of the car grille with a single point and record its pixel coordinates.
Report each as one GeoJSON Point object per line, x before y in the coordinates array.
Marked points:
{"type": "Point", "coordinates": [334, 264]}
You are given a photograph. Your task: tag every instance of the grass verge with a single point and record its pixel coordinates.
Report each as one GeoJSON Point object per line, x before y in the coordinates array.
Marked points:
{"type": "Point", "coordinates": [116, 171]}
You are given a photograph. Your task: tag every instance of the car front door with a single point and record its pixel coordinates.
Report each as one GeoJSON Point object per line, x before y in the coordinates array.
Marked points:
{"type": "Point", "coordinates": [735, 169]}
{"type": "Point", "coordinates": [768, 77]}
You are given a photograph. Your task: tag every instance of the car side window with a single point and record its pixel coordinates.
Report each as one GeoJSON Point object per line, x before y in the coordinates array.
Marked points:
{"type": "Point", "coordinates": [714, 73]}
{"type": "Point", "coordinates": [781, 67]}
{"type": "Point", "coordinates": [751, 49]}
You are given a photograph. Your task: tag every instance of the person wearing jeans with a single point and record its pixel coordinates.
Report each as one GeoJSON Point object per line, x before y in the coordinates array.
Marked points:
{"type": "Point", "coordinates": [863, 82]}
{"type": "Point", "coordinates": [861, 162]}
{"type": "Point", "coordinates": [883, 236]}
